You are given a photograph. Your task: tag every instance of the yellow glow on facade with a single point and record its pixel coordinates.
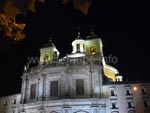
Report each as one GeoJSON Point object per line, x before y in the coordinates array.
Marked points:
{"type": "Point", "coordinates": [47, 54]}
{"type": "Point", "coordinates": [93, 46]}
{"type": "Point", "coordinates": [110, 74]}
{"type": "Point", "coordinates": [93, 50]}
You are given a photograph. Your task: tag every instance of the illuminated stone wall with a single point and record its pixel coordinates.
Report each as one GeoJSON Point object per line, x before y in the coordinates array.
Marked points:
{"type": "Point", "coordinates": [49, 53]}
{"type": "Point", "coordinates": [96, 44]}
{"type": "Point", "coordinates": [76, 85]}
{"type": "Point", "coordinates": [66, 77]}
{"type": "Point", "coordinates": [123, 98]}
{"type": "Point", "coordinates": [10, 104]}
{"type": "Point", "coordinates": [115, 98]}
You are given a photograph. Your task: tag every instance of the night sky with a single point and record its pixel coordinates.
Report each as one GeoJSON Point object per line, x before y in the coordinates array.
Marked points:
{"type": "Point", "coordinates": [123, 26]}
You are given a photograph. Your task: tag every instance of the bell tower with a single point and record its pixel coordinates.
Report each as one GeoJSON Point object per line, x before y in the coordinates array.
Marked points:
{"type": "Point", "coordinates": [48, 53]}
{"type": "Point", "coordinates": [93, 48]}
{"type": "Point", "coordinates": [78, 44]}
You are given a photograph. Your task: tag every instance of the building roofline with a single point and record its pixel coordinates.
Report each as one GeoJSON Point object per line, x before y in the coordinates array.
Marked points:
{"type": "Point", "coordinates": [127, 82]}
{"type": "Point", "coordinates": [10, 95]}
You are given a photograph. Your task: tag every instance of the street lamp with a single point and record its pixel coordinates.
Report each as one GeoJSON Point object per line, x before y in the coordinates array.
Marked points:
{"type": "Point", "coordinates": [135, 88]}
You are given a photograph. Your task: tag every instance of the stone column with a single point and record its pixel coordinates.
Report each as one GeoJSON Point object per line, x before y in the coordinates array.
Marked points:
{"type": "Point", "coordinates": [91, 80]}
{"type": "Point", "coordinates": [100, 82]}
{"type": "Point", "coordinates": [37, 96]}
{"type": "Point", "coordinates": [26, 89]}
{"type": "Point", "coordinates": [23, 89]}
{"type": "Point", "coordinates": [44, 87]}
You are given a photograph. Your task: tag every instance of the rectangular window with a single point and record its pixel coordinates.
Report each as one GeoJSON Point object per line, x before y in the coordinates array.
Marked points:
{"type": "Point", "coordinates": [146, 104]}
{"type": "Point", "coordinates": [54, 89]}
{"type": "Point", "coordinates": [33, 91]}
{"type": "Point", "coordinates": [113, 105]}
{"type": "Point", "coordinates": [143, 92]}
{"type": "Point", "coordinates": [5, 104]}
{"type": "Point", "coordinates": [128, 92]}
{"type": "Point", "coordinates": [129, 105]}
{"type": "Point", "coordinates": [79, 87]}
{"type": "Point", "coordinates": [14, 101]}
{"type": "Point", "coordinates": [78, 47]}
{"type": "Point", "coordinates": [112, 93]}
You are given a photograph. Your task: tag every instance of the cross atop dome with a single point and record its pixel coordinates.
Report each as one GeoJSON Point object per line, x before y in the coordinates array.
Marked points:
{"type": "Point", "coordinates": [92, 35]}
{"type": "Point", "coordinates": [78, 34]}
{"type": "Point", "coordinates": [50, 43]}
{"type": "Point", "coordinates": [49, 52]}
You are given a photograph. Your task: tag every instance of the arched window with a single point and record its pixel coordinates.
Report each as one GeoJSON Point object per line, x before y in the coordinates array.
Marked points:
{"type": "Point", "coordinates": [55, 55]}
{"type": "Point", "coordinates": [46, 58]}
{"type": "Point", "coordinates": [131, 111]}
{"type": "Point", "coordinates": [115, 112]}
{"type": "Point", "coordinates": [78, 47]}
{"type": "Point", "coordinates": [81, 111]}
{"type": "Point", "coordinates": [92, 50]}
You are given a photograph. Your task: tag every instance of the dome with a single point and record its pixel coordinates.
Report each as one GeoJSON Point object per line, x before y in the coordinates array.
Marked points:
{"type": "Point", "coordinates": [110, 72]}
{"type": "Point", "coordinates": [49, 44]}
{"type": "Point", "coordinates": [78, 44]}
{"type": "Point", "coordinates": [92, 35]}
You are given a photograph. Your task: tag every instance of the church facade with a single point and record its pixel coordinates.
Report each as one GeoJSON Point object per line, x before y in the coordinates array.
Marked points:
{"type": "Point", "coordinates": [80, 82]}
